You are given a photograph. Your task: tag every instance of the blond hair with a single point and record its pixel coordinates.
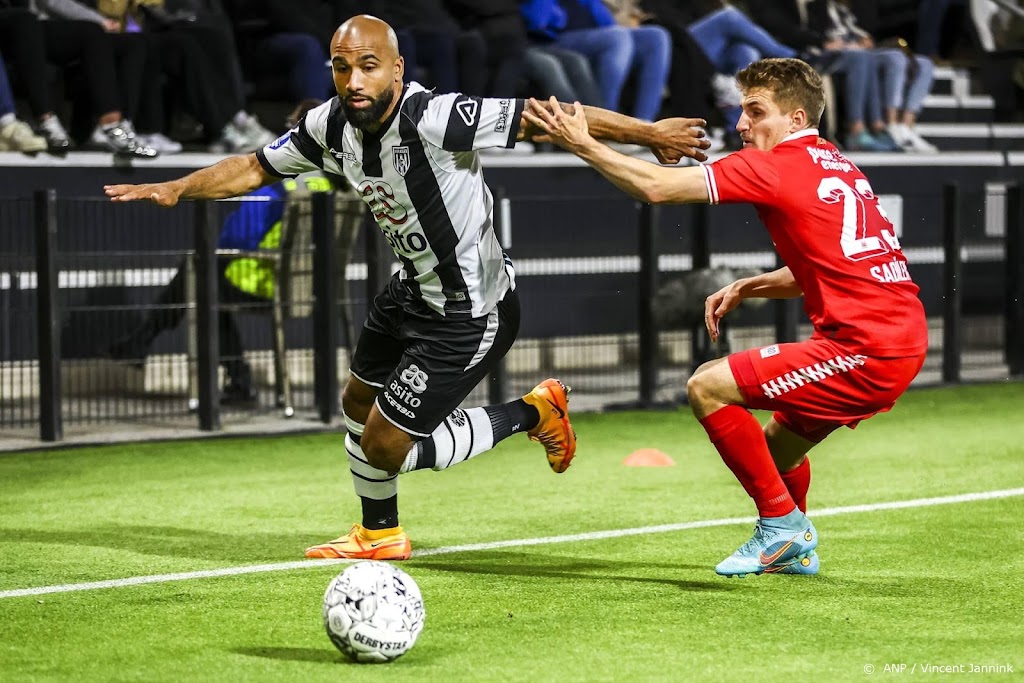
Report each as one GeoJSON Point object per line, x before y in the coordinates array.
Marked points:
{"type": "Point", "coordinates": [792, 82]}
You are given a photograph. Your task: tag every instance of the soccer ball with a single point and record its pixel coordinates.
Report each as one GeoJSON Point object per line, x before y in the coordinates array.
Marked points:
{"type": "Point", "coordinates": [373, 612]}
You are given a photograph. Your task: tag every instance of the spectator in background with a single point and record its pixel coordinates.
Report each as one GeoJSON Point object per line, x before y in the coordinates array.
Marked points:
{"type": "Point", "coordinates": [499, 24]}
{"type": "Point", "coordinates": [811, 28]}
{"type": "Point", "coordinates": [15, 135]}
{"type": "Point", "coordinates": [906, 77]}
{"type": "Point", "coordinates": [729, 40]}
{"type": "Point", "coordinates": [204, 25]}
{"type": "Point", "coordinates": [285, 43]}
{"type": "Point", "coordinates": [930, 16]}
{"type": "Point", "coordinates": [588, 27]}
{"type": "Point", "coordinates": [451, 57]}
{"type": "Point", "coordinates": [66, 32]}
{"type": "Point", "coordinates": [563, 73]}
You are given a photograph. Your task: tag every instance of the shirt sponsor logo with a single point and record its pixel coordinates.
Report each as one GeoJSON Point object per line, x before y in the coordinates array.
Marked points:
{"type": "Point", "coordinates": [503, 108]}
{"type": "Point", "coordinates": [280, 142]}
{"type": "Point", "coordinates": [467, 111]}
{"type": "Point", "coordinates": [415, 378]}
{"type": "Point", "coordinates": [343, 156]}
{"type": "Point", "coordinates": [830, 160]}
{"type": "Point", "coordinates": [401, 159]}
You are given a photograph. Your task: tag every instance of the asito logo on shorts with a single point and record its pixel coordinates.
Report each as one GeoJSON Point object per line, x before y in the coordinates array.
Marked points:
{"type": "Point", "coordinates": [415, 378]}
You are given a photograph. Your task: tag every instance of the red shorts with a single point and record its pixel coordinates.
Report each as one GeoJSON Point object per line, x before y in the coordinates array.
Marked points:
{"type": "Point", "coordinates": [817, 386]}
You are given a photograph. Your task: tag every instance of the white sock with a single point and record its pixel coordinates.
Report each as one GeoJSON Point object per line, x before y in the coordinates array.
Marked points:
{"type": "Point", "coordinates": [7, 119]}
{"type": "Point", "coordinates": [462, 435]}
{"type": "Point", "coordinates": [369, 482]}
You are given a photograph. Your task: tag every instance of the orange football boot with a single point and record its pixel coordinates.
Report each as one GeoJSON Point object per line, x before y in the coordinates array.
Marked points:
{"type": "Point", "coordinates": [361, 543]}
{"type": "Point", "coordinates": [551, 399]}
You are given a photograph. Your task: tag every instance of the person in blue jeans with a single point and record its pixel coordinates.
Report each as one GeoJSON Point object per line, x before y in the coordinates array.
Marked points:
{"type": "Point", "coordinates": [731, 41]}
{"type": "Point", "coordinates": [15, 135]}
{"type": "Point", "coordinates": [588, 27]}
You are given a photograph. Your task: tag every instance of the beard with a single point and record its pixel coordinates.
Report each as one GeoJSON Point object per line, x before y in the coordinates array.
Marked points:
{"type": "Point", "coordinates": [368, 116]}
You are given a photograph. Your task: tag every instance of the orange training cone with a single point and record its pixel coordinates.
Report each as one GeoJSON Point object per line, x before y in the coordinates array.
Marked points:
{"type": "Point", "coordinates": [648, 457]}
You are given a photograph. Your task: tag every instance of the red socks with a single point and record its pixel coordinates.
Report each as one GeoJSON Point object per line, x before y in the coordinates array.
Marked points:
{"type": "Point", "coordinates": [798, 480]}
{"type": "Point", "coordinates": [740, 441]}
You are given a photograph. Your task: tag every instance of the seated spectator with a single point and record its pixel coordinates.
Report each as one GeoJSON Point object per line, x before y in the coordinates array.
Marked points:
{"type": "Point", "coordinates": [501, 27]}
{"type": "Point", "coordinates": [906, 78]}
{"type": "Point", "coordinates": [450, 56]}
{"type": "Point", "coordinates": [588, 27]}
{"type": "Point", "coordinates": [729, 41]}
{"type": "Point", "coordinates": [285, 45]}
{"type": "Point", "coordinates": [15, 135]}
{"type": "Point", "coordinates": [201, 40]}
{"type": "Point", "coordinates": [811, 29]}
{"type": "Point", "coordinates": [563, 73]}
{"type": "Point", "coordinates": [999, 31]}
{"type": "Point", "coordinates": [66, 32]}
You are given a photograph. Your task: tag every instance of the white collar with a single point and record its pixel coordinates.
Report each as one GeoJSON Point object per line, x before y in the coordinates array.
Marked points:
{"type": "Point", "coordinates": [800, 134]}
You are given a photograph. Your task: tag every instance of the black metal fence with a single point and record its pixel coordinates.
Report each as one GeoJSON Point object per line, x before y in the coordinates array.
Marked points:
{"type": "Point", "coordinates": [617, 318]}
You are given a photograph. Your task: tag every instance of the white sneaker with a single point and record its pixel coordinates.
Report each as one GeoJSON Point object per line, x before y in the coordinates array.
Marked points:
{"type": "Point", "coordinates": [19, 137]}
{"type": "Point", "coordinates": [727, 93]}
{"type": "Point", "coordinates": [255, 133]}
{"type": "Point", "coordinates": [900, 133]}
{"type": "Point", "coordinates": [916, 143]}
{"type": "Point", "coordinates": [161, 143]}
{"type": "Point", "coordinates": [232, 141]}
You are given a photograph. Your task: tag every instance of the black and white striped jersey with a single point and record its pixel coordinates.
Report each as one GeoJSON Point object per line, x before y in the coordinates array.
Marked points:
{"type": "Point", "coordinates": [420, 175]}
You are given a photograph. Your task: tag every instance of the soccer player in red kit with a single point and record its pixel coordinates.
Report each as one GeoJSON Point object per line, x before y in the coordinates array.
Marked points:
{"type": "Point", "coordinates": [841, 255]}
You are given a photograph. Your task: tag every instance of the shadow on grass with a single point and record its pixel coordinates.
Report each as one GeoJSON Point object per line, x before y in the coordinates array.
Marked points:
{"type": "Point", "coordinates": [316, 655]}
{"type": "Point", "coordinates": [574, 569]}
{"type": "Point", "coordinates": [168, 541]}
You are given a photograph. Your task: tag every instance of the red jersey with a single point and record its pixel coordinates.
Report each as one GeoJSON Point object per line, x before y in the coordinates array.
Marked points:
{"type": "Point", "coordinates": [827, 226]}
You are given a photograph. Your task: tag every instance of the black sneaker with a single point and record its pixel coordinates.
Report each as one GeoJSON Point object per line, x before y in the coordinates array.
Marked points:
{"type": "Point", "coordinates": [57, 141]}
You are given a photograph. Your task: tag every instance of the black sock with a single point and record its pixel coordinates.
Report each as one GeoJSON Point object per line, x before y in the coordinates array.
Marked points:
{"type": "Point", "coordinates": [511, 418]}
{"type": "Point", "coordinates": [380, 514]}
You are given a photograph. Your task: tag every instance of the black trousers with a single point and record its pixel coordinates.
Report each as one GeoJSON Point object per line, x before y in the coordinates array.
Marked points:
{"type": "Point", "coordinates": [170, 309]}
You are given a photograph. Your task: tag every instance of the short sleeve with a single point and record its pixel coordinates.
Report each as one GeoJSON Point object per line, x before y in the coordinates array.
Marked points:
{"type": "Point", "coordinates": [301, 149]}
{"type": "Point", "coordinates": [460, 123]}
{"type": "Point", "coordinates": [749, 176]}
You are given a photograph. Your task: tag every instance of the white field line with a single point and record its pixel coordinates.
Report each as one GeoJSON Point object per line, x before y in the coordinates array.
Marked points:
{"type": "Point", "coordinates": [516, 543]}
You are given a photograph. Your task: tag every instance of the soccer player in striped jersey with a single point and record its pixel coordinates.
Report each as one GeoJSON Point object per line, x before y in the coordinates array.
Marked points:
{"type": "Point", "coordinates": [451, 312]}
{"type": "Point", "coordinates": [841, 254]}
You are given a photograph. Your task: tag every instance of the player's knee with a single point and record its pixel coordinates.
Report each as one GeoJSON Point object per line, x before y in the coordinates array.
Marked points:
{"type": "Point", "coordinates": [381, 452]}
{"type": "Point", "coordinates": [697, 389]}
{"type": "Point", "coordinates": [356, 402]}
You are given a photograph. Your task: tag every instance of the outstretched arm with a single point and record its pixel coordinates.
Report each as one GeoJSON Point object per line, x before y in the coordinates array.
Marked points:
{"type": "Point", "coordinates": [640, 179]}
{"type": "Point", "coordinates": [231, 177]}
{"type": "Point", "coordinates": [778, 284]}
{"type": "Point", "coordinates": [669, 139]}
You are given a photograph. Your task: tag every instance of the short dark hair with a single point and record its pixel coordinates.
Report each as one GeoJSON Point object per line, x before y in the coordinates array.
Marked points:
{"type": "Point", "coordinates": [792, 82]}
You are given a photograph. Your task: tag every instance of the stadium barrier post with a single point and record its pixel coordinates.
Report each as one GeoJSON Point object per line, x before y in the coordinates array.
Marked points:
{"type": "Point", "coordinates": [51, 427]}
{"type": "Point", "coordinates": [497, 383]}
{"type": "Point", "coordinates": [207, 305]}
{"type": "Point", "coordinates": [325, 308]}
{"type": "Point", "coordinates": [952, 284]}
{"type": "Point", "coordinates": [647, 326]}
{"type": "Point", "coordinates": [700, 253]}
{"type": "Point", "coordinates": [1014, 328]}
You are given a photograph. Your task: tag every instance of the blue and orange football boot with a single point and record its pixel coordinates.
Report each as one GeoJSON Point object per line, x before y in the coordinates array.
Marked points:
{"type": "Point", "coordinates": [777, 541]}
{"type": "Point", "coordinates": [553, 431]}
{"type": "Point", "coordinates": [807, 566]}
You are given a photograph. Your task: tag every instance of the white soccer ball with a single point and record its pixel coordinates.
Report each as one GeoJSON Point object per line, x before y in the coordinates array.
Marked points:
{"type": "Point", "coordinates": [373, 612]}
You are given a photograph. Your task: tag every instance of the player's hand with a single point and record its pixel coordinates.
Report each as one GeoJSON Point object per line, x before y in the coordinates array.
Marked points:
{"type": "Point", "coordinates": [162, 194]}
{"type": "Point", "coordinates": [569, 131]}
{"type": "Point", "coordinates": [678, 138]}
{"type": "Point", "coordinates": [718, 304]}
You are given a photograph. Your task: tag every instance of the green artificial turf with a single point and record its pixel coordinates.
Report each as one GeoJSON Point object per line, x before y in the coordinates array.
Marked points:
{"type": "Point", "coordinates": [938, 585]}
